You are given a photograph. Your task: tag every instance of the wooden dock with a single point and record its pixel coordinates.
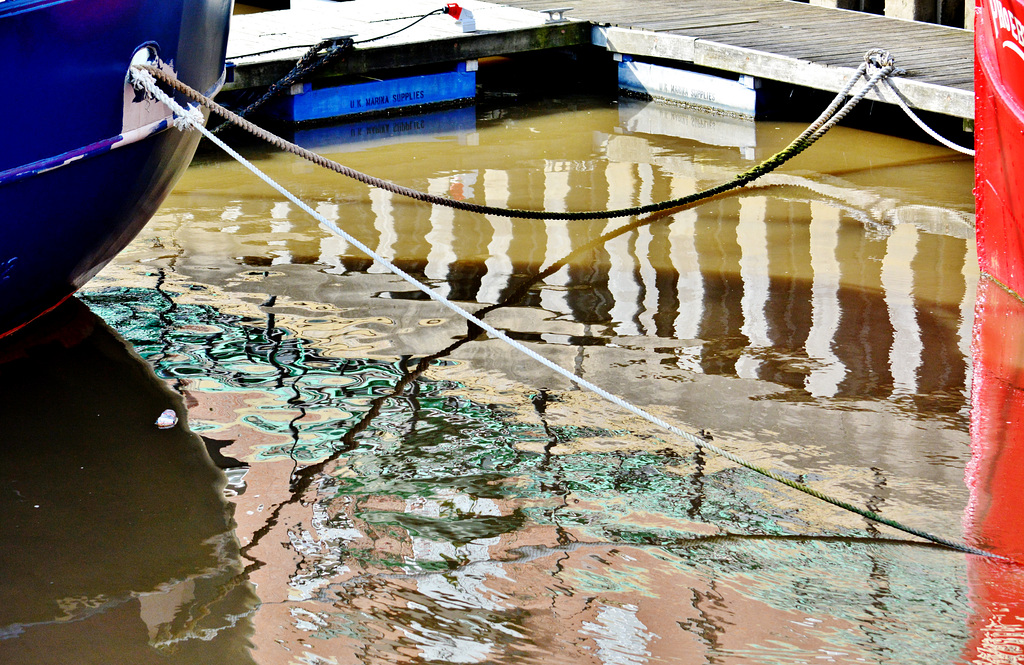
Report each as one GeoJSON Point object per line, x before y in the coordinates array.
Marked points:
{"type": "Point", "coordinates": [778, 40]}
{"type": "Point", "coordinates": [790, 42]}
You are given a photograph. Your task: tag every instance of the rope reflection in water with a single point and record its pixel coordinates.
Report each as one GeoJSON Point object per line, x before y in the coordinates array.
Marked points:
{"type": "Point", "coordinates": [488, 513]}
{"type": "Point", "coordinates": [437, 528]}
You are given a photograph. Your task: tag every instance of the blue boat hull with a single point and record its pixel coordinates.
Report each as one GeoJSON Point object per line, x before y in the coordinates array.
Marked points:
{"type": "Point", "coordinates": [85, 162]}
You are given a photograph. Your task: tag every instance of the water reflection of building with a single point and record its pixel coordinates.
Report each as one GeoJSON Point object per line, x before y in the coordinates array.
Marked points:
{"type": "Point", "coordinates": [809, 291]}
{"type": "Point", "coordinates": [815, 285]}
{"type": "Point", "coordinates": [788, 288]}
{"type": "Point", "coordinates": [355, 589]}
{"type": "Point", "coordinates": [389, 553]}
{"type": "Point", "coordinates": [811, 287]}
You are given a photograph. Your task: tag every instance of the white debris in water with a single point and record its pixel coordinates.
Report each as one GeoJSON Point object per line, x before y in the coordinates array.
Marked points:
{"type": "Point", "coordinates": [167, 419]}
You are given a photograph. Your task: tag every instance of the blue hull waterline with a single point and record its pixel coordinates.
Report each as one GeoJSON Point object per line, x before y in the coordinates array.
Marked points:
{"type": "Point", "coordinates": [86, 161]}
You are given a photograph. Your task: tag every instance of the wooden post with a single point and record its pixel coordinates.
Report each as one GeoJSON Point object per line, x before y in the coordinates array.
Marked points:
{"type": "Point", "coordinates": [943, 12]}
{"type": "Point", "coordinates": [914, 10]}
{"type": "Point", "coordinates": [868, 6]}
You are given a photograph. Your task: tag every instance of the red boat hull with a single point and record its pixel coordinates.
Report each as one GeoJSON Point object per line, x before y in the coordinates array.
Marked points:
{"type": "Point", "coordinates": [996, 475]}
{"type": "Point", "coordinates": [999, 139]}
{"type": "Point", "coordinates": [994, 519]}
{"type": "Point", "coordinates": [995, 515]}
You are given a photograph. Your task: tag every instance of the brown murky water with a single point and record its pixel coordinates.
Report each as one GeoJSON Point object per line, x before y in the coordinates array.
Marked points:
{"type": "Point", "coordinates": [354, 480]}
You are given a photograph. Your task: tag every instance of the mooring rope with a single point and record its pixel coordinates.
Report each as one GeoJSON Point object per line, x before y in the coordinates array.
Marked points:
{"type": "Point", "coordinates": [881, 61]}
{"type": "Point", "coordinates": [145, 80]}
{"type": "Point", "coordinates": [920, 123]}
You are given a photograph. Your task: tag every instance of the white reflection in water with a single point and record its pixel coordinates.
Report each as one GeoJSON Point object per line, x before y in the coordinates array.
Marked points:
{"type": "Point", "coordinates": [827, 371]}
{"type": "Point", "coordinates": [384, 214]}
{"type": "Point", "coordinates": [622, 639]}
{"type": "Point", "coordinates": [752, 234]}
{"type": "Point", "coordinates": [440, 238]}
{"type": "Point", "coordinates": [898, 282]}
{"type": "Point", "coordinates": [815, 288]}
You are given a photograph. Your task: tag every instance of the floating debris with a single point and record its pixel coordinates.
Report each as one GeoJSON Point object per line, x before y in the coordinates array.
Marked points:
{"type": "Point", "coordinates": [167, 419]}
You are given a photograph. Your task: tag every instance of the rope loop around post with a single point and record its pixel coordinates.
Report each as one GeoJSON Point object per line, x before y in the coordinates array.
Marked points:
{"type": "Point", "coordinates": [882, 59]}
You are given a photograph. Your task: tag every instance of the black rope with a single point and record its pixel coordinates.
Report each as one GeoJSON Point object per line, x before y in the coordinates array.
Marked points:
{"type": "Point", "coordinates": [443, 10]}
{"type": "Point", "coordinates": [316, 57]}
{"type": "Point", "coordinates": [836, 111]}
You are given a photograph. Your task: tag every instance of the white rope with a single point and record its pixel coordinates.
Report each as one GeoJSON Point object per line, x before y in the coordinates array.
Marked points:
{"type": "Point", "coordinates": [146, 81]}
{"type": "Point", "coordinates": [192, 117]}
{"type": "Point", "coordinates": [920, 123]}
{"type": "Point", "coordinates": [149, 83]}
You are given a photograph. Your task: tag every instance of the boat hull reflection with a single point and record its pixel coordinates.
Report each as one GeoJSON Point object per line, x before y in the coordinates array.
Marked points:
{"type": "Point", "coordinates": [118, 542]}
{"type": "Point", "coordinates": [996, 475]}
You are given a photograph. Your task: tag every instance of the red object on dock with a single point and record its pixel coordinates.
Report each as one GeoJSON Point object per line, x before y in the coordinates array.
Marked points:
{"type": "Point", "coordinates": [453, 10]}
{"type": "Point", "coordinates": [999, 139]}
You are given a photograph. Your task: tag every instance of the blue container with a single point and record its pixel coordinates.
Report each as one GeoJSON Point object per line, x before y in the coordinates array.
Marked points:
{"type": "Point", "coordinates": [311, 104]}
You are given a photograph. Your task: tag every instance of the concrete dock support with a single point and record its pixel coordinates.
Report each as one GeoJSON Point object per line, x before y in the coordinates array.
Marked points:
{"type": "Point", "coordinates": [869, 6]}
{"type": "Point", "coordinates": [944, 12]}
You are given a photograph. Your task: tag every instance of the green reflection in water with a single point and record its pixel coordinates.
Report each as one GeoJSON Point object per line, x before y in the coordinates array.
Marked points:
{"type": "Point", "coordinates": [422, 440]}
{"type": "Point", "coordinates": [431, 444]}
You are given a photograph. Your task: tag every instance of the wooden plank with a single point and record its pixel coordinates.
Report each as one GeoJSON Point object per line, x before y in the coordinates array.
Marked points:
{"type": "Point", "coordinates": [922, 94]}
{"type": "Point", "coordinates": [643, 43]}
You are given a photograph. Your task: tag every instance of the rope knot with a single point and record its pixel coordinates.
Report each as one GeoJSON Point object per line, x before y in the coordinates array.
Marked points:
{"type": "Point", "coordinates": [189, 118]}
{"type": "Point", "coordinates": [143, 79]}
{"type": "Point", "coordinates": [140, 78]}
{"type": "Point", "coordinates": [882, 59]}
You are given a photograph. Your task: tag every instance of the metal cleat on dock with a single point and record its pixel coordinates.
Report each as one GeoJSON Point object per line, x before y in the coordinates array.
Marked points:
{"type": "Point", "coordinates": [556, 14]}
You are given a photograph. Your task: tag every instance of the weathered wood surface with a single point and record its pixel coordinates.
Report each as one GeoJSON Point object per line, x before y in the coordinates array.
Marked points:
{"type": "Point", "coordinates": [787, 41]}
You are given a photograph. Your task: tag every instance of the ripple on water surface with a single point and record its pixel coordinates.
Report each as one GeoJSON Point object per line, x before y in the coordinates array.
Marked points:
{"type": "Point", "coordinates": [393, 491]}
